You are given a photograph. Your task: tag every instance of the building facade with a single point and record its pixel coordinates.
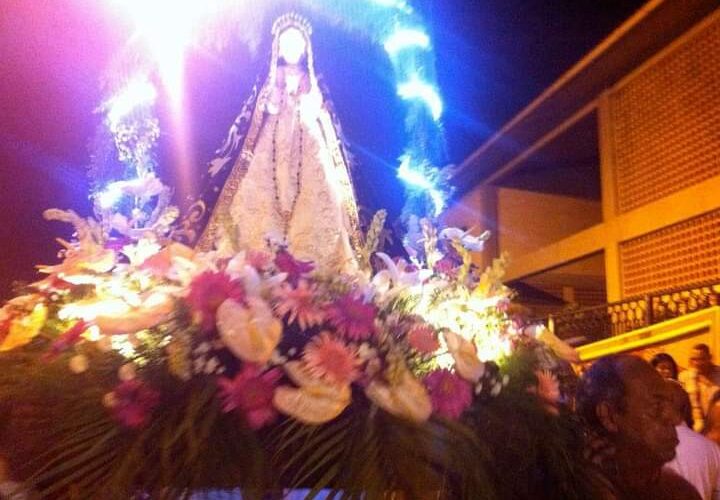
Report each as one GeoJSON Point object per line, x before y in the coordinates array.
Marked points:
{"type": "Point", "coordinates": [605, 190]}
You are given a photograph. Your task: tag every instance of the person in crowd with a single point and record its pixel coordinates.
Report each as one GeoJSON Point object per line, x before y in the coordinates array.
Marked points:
{"type": "Point", "coordinates": [627, 409]}
{"type": "Point", "coordinates": [712, 423]}
{"type": "Point", "coordinates": [702, 383]}
{"type": "Point", "coordinates": [697, 459]}
{"type": "Point", "coordinates": [665, 365]}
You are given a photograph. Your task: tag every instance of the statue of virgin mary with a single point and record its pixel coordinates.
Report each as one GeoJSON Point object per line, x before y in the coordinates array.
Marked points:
{"type": "Point", "coordinates": [282, 174]}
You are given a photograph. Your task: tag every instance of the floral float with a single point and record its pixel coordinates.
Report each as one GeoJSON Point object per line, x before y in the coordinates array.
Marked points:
{"type": "Point", "coordinates": [153, 369]}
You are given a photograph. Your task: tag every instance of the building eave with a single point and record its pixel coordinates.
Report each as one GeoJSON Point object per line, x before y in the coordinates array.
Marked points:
{"type": "Point", "coordinates": [644, 34]}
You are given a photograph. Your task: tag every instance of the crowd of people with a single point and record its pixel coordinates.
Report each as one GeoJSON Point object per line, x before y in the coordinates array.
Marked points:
{"type": "Point", "coordinates": [653, 432]}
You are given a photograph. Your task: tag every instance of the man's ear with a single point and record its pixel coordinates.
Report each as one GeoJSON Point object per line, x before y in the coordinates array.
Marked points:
{"type": "Point", "coordinates": [607, 416]}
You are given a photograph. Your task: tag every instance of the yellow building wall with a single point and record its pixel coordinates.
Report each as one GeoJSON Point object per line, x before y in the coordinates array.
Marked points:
{"type": "Point", "coordinates": [528, 220]}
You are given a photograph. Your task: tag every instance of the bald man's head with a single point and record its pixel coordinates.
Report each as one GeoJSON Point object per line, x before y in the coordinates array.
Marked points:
{"type": "Point", "coordinates": [624, 398]}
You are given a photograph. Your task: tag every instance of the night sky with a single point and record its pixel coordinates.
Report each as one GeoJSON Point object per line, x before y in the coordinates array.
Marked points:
{"type": "Point", "coordinates": [494, 57]}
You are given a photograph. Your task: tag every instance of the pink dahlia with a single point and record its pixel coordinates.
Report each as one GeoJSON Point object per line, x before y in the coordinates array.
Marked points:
{"type": "Point", "coordinates": [133, 402]}
{"type": "Point", "coordinates": [300, 304]}
{"type": "Point", "coordinates": [352, 317]}
{"type": "Point", "coordinates": [294, 268]}
{"type": "Point", "coordinates": [450, 394]}
{"type": "Point", "coordinates": [250, 393]}
{"type": "Point", "coordinates": [208, 291]}
{"type": "Point", "coordinates": [331, 359]}
{"type": "Point", "coordinates": [423, 339]}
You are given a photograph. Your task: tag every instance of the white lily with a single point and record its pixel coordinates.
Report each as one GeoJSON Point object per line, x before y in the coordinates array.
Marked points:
{"type": "Point", "coordinates": [153, 310]}
{"type": "Point", "coordinates": [395, 278]}
{"type": "Point", "coordinates": [251, 333]}
{"type": "Point", "coordinates": [561, 348]}
{"type": "Point", "coordinates": [404, 397]}
{"type": "Point", "coordinates": [467, 363]}
{"type": "Point", "coordinates": [465, 238]}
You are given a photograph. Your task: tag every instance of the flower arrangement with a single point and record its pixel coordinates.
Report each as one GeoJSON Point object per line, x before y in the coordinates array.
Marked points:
{"type": "Point", "coordinates": [170, 370]}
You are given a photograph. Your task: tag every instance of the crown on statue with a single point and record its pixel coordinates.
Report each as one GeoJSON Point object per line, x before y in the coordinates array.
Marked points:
{"type": "Point", "coordinates": [291, 20]}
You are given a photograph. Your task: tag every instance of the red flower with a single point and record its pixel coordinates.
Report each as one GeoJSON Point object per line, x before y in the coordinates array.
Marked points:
{"type": "Point", "coordinates": [208, 291]}
{"type": "Point", "coordinates": [450, 394]}
{"type": "Point", "coordinates": [423, 339]}
{"type": "Point", "coordinates": [251, 394]}
{"type": "Point", "coordinates": [352, 317]}
{"type": "Point", "coordinates": [132, 403]}
{"type": "Point", "coordinates": [294, 268]}
{"type": "Point", "coordinates": [331, 359]}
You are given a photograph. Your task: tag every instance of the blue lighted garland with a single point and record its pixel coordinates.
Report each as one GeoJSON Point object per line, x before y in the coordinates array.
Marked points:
{"type": "Point", "coordinates": [402, 33]}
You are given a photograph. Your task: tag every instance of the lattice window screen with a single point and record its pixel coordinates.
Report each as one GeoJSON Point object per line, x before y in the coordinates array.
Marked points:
{"type": "Point", "coordinates": [666, 122]}
{"type": "Point", "coordinates": [675, 256]}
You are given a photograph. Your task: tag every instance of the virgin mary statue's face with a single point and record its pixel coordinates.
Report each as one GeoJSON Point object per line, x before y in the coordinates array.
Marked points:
{"type": "Point", "coordinates": [291, 45]}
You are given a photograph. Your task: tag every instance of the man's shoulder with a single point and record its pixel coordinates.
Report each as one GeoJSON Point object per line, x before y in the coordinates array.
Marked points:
{"type": "Point", "coordinates": [673, 486]}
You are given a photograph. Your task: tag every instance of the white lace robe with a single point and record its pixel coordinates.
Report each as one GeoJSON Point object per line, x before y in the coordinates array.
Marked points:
{"type": "Point", "coordinates": [318, 228]}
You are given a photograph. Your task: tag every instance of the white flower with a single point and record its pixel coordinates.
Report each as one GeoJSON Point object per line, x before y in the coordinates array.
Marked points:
{"type": "Point", "coordinates": [315, 401]}
{"type": "Point", "coordinates": [395, 278]}
{"type": "Point", "coordinates": [154, 309]}
{"type": "Point", "coordinates": [142, 250]}
{"type": "Point", "coordinates": [406, 397]}
{"type": "Point", "coordinates": [467, 240]}
{"type": "Point", "coordinates": [467, 363]}
{"type": "Point", "coordinates": [558, 346]}
{"type": "Point", "coordinates": [251, 333]}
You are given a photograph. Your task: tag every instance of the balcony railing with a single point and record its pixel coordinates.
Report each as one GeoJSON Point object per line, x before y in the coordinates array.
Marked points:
{"type": "Point", "coordinates": [599, 322]}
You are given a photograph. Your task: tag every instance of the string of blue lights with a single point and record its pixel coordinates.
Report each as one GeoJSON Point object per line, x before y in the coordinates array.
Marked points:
{"type": "Point", "coordinates": [392, 23]}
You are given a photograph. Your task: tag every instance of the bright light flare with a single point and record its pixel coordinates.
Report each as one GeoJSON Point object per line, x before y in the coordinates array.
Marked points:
{"type": "Point", "coordinates": [415, 178]}
{"type": "Point", "coordinates": [138, 93]}
{"type": "Point", "coordinates": [168, 28]}
{"type": "Point", "coordinates": [109, 198]}
{"type": "Point", "coordinates": [89, 310]}
{"type": "Point", "coordinates": [395, 4]}
{"type": "Point", "coordinates": [416, 89]}
{"type": "Point", "coordinates": [404, 39]}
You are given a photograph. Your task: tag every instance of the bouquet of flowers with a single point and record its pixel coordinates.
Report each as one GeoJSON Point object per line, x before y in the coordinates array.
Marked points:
{"type": "Point", "coordinates": [150, 368]}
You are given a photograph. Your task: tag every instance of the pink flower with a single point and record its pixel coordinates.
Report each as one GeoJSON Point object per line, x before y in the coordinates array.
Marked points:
{"type": "Point", "coordinates": [132, 403]}
{"type": "Point", "coordinates": [450, 394]}
{"type": "Point", "coordinates": [329, 358]}
{"type": "Point", "coordinates": [300, 304]}
{"type": "Point", "coordinates": [258, 259]}
{"type": "Point", "coordinates": [352, 317]}
{"type": "Point", "coordinates": [423, 339]}
{"type": "Point", "coordinates": [446, 265]}
{"type": "Point", "coordinates": [294, 268]}
{"type": "Point", "coordinates": [208, 291]}
{"type": "Point", "coordinates": [250, 393]}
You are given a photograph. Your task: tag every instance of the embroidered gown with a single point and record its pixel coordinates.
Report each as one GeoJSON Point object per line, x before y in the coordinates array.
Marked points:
{"type": "Point", "coordinates": [290, 181]}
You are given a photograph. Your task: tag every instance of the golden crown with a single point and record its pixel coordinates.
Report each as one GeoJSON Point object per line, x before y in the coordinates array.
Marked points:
{"type": "Point", "coordinates": [291, 20]}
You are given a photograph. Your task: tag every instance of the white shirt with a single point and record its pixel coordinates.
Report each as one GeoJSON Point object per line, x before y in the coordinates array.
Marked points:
{"type": "Point", "coordinates": [697, 459]}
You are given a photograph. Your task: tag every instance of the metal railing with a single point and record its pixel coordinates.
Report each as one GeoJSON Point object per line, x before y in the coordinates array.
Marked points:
{"type": "Point", "coordinates": [596, 323]}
